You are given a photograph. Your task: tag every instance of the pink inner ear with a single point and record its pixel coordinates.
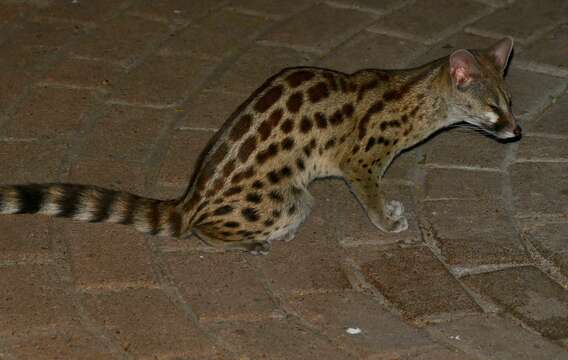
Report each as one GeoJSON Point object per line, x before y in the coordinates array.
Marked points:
{"type": "Point", "coordinates": [463, 67]}
{"type": "Point", "coordinates": [460, 75]}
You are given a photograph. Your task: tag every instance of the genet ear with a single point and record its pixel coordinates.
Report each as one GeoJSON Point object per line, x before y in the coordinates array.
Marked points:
{"type": "Point", "coordinates": [500, 53]}
{"type": "Point", "coordinates": [464, 68]}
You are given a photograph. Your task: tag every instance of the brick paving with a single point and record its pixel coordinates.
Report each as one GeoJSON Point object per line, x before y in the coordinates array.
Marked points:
{"type": "Point", "coordinates": [125, 94]}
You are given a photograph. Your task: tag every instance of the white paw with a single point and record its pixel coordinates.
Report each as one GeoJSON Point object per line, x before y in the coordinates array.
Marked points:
{"type": "Point", "coordinates": [400, 225]}
{"type": "Point", "coordinates": [394, 210]}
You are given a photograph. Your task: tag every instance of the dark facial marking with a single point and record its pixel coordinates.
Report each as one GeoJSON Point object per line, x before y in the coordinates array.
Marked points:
{"type": "Point", "coordinates": [250, 214]}
{"type": "Point", "coordinates": [297, 78]}
{"type": "Point", "coordinates": [247, 147]}
{"type": "Point", "coordinates": [241, 127]}
{"type": "Point", "coordinates": [318, 92]}
{"type": "Point", "coordinates": [306, 124]}
{"type": "Point", "coordinates": [295, 102]}
{"type": "Point", "coordinates": [268, 99]}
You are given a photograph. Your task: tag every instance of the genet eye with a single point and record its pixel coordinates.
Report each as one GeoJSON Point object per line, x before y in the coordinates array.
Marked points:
{"type": "Point", "coordinates": [494, 108]}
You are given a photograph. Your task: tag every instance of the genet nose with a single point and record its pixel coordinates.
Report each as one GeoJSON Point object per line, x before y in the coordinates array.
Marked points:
{"type": "Point", "coordinates": [518, 131]}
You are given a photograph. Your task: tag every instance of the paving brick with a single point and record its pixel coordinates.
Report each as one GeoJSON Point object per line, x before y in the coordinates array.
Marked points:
{"type": "Point", "coordinates": [312, 262]}
{"type": "Point", "coordinates": [276, 339]}
{"type": "Point", "coordinates": [550, 49]}
{"type": "Point", "coordinates": [553, 122]}
{"type": "Point", "coordinates": [48, 35]}
{"type": "Point", "coordinates": [369, 50]}
{"type": "Point", "coordinates": [145, 323]}
{"type": "Point", "coordinates": [82, 11]}
{"type": "Point", "coordinates": [29, 162]}
{"type": "Point", "coordinates": [114, 174]}
{"type": "Point", "coordinates": [272, 8]}
{"type": "Point", "coordinates": [532, 92]}
{"type": "Point", "coordinates": [181, 157]}
{"type": "Point", "coordinates": [210, 109]}
{"type": "Point", "coordinates": [10, 12]}
{"type": "Point", "coordinates": [535, 148]}
{"type": "Point", "coordinates": [98, 260]}
{"type": "Point", "coordinates": [450, 184]}
{"type": "Point", "coordinates": [527, 294]}
{"type": "Point", "coordinates": [473, 232]}
{"type": "Point", "coordinates": [378, 7]}
{"type": "Point", "coordinates": [162, 81]}
{"type": "Point", "coordinates": [103, 44]}
{"type": "Point", "coordinates": [536, 16]}
{"type": "Point", "coordinates": [354, 227]}
{"type": "Point", "coordinates": [493, 338]}
{"type": "Point", "coordinates": [31, 243]}
{"type": "Point", "coordinates": [33, 296]}
{"type": "Point", "coordinates": [409, 20]}
{"type": "Point", "coordinates": [59, 343]}
{"type": "Point", "coordinates": [434, 353]}
{"type": "Point", "coordinates": [468, 148]}
{"type": "Point", "coordinates": [49, 113]}
{"type": "Point", "coordinates": [84, 73]}
{"type": "Point", "coordinates": [403, 168]}
{"type": "Point", "coordinates": [266, 61]}
{"type": "Point", "coordinates": [220, 286]}
{"type": "Point", "coordinates": [550, 241]}
{"type": "Point", "coordinates": [134, 130]}
{"type": "Point", "coordinates": [415, 282]}
{"type": "Point", "coordinates": [174, 11]}
{"type": "Point", "coordinates": [318, 28]}
{"type": "Point", "coordinates": [381, 331]}
{"type": "Point", "coordinates": [539, 188]}
{"type": "Point", "coordinates": [218, 36]}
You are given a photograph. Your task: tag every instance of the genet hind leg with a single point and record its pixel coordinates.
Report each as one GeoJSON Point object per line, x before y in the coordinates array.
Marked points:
{"type": "Point", "coordinates": [297, 206]}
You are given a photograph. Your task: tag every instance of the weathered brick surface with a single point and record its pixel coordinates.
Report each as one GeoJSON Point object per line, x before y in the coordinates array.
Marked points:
{"type": "Point", "coordinates": [219, 35]}
{"type": "Point", "coordinates": [145, 323]}
{"type": "Point", "coordinates": [415, 282]}
{"type": "Point", "coordinates": [33, 296]}
{"type": "Point", "coordinates": [494, 338]}
{"type": "Point", "coordinates": [529, 295]}
{"type": "Point", "coordinates": [126, 94]}
{"type": "Point", "coordinates": [381, 332]}
{"type": "Point", "coordinates": [318, 28]}
{"type": "Point", "coordinates": [409, 21]}
{"type": "Point", "coordinates": [221, 286]}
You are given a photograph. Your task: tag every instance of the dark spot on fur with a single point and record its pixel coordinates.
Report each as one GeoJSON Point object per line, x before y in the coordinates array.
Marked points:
{"type": "Point", "coordinates": [257, 184]}
{"type": "Point", "coordinates": [355, 149]}
{"type": "Point", "coordinates": [233, 190]}
{"type": "Point", "coordinates": [254, 198]}
{"type": "Point", "coordinates": [231, 224]}
{"type": "Point", "coordinates": [321, 121]}
{"type": "Point", "coordinates": [330, 143]}
{"type": "Point", "coordinates": [375, 108]}
{"type": "Point", "coordinates": [336, 118]}
{"type": "Point", "coordinates": [297, 78]}
{"type": "Point", "coordinates": [287, 143]}
{"type": "Point", "coordinates": [223, 210]}
{"type": "Point", "coordinates": [366, 87]}
{"type": "Point", "coordinates": [276, 213]}
{"type": "Point", "coordinates": [348, 109]}
{"type": "Point", "coordinates": [250, 214]}
{"type": "Point", "coordinates": [269, 222]}
{"type": "Point", "coordinates": [269, 152]}
{"type": "Point", "coordinates": [370, 144]}
{"type": "Point", "coordinates": [247, 147]}
{"type": "Point", "coordinates": [228, 168]}
{"type": "Point", "coordinates": [306, 124]}
{"type": "Point", "coordinates": [276, 196]}
{"type": "Point", "coordinates": [404, 119]}
{"type": "Point", "coordinates": [241, 127]}
{"type": "Point", "coordinates": [286, 171]}
{"type": "Point", "coordinates": [300, 164]}
{"type": "Point", "coordinates": [273, 177]}
{"type": "Point", "coordinates": [330, 78]}
{"type": "Point", "coordinates": [287, 126]}
{"type": "Point", "coordinates": [268, 99]}
{"type": "Point", "coordinates": [295, 102]}
{"type": "Point", "coordinates": [318, 92]}
{"type": "Point", "coordinates": [292, 210]}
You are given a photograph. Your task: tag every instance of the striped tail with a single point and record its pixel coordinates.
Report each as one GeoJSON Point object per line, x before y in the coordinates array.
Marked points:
{"type": "Point", "coordinates": [92, 204]}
